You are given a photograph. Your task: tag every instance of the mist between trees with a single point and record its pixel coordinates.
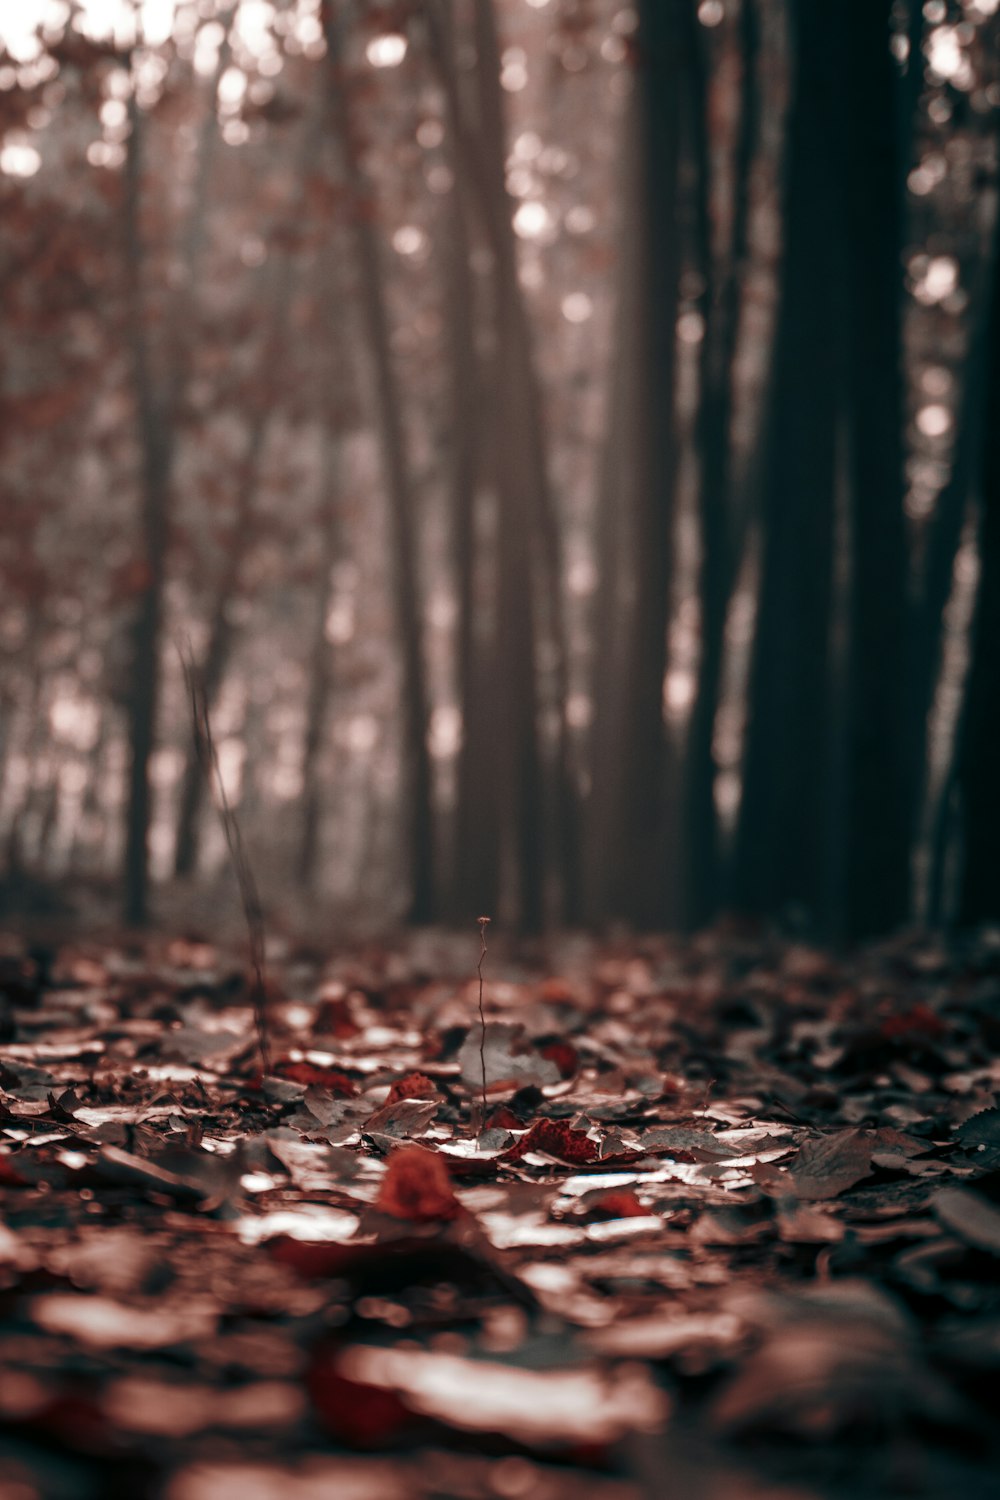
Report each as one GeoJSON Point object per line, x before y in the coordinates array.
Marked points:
{"type": "Point", "coordinates": [565, 436]}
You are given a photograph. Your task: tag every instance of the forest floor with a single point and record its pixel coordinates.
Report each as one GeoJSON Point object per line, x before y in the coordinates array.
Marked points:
{"type": "Point", "coordinates": [730, 1230]}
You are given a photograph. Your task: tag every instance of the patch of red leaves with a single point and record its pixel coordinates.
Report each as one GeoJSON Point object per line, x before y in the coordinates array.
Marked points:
{"type": "Point", "coordinates": [565, 1057]}
{"type": "Point", "coordinates": [359, 1415]}
{"type": "Point", "coordinates": [556, 1138]}
{"type": "Point", "coordinates": [9, 1175]}
{"type": "Point", "coordinates": [616, 1205]}
{"type": "Point", "coordinates": [335, 1019]}
{"type": "Point", "coordinates": [920, 1024]}
{"type": "Point", "coordinates": [417, 1186]}
{"type": "Point", "coordinates": [504, 1118]}
{"type": "Point", "coordinates": [331, 1079]}
{"type": "Point", "coordinates": [412, 1086]}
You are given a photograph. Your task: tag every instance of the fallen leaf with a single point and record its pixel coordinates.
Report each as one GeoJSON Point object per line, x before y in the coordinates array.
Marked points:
{"type": "Point", "coordinates": [509, 1057]}
{"type": "Point", "coordinates": [969, 1215]}
{"type": "Point", "coordinates": [555, 1138]}
{"type": "Point", "coordinates": [829, 1165]}
{"type": "Point", "coordinates": [412, 1086]}
{"type": "Point", "coordinates": [417, 1186]}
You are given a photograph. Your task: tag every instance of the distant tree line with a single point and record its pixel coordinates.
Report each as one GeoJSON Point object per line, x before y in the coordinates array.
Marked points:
{"type": "Point", "coordinates": [769, 704]}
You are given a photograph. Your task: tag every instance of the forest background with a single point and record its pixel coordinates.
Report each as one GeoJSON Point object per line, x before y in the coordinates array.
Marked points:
{"type": "Point", "coordinates": [563, 434]}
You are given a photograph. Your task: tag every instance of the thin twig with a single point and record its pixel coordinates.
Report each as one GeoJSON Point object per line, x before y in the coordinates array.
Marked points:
{"type": "Point", "coordinates": [208, 759]}
{"type": "Point", "coordinates": [484, 922]}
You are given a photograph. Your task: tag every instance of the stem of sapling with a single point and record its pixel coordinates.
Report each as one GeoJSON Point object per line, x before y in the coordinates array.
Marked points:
{"type": "Point", "coordinates": [253, 912]}
{"type": "Point", "coordinates": [484, 922]}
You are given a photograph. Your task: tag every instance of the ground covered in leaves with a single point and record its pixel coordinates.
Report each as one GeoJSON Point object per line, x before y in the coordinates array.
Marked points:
{"type": "Point", "coordinates": [729, 1230]}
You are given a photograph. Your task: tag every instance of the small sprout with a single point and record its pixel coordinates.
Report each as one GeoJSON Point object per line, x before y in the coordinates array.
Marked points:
{"type": "Point", "coordinates": [484, 922]}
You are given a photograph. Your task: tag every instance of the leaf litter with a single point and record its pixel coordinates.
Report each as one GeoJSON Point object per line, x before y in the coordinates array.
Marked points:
{"type": "Point", "coordinates": [727, 1211]}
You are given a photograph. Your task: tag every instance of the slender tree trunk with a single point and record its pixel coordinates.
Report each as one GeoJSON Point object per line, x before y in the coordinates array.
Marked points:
{"type": "Point", "coordinates": [616, 506]}
{"type": "Point", "coordinates": [722, 540]}
{"type": "Point", "coordinates": [91, 808]}
{"type": "Point", "coordinates": [417, 777]}
{"type": "Point", "coordinates": [522, 461]}
{"type": "Point", "coordinates": [879, 799]}
{"type": "Point", "coordinates": [934, 589]}
{"type": "Point", "coordinates": [319, 673]}
{"type": "Point", "coordinates": [217, 652]}
{"type": "Point", "coordinates": [978, 781]}
{"type": "Point", "coordinates": [475, 872]}
{"type": "Point", "coordinates": [155, 415]}
{"type": "Point", "coordinates": [639, 849]}
{"type": "Point", "coordinates": [781, 854]}
{"type": "Point", "coordinates": [155, 448]}
{"type": "Point", "coordinates": [523, 491]}
{"type": "Point", "coordinates": [519, 764]}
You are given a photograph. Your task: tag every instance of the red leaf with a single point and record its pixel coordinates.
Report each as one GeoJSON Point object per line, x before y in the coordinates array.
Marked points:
{"type": "Point", "coordinates": [412, 1086]}
{"type": "Point", "coordinates": [334, 1018]}
{"type": "Point", "coordinates": [9, 1175]}
{"type": "Point", "coordinates": [617, 1205]}
{"type": "Point", "coordinates": [565, 1057]}
{"type": "Point", "coordinates": [920, 1024]}
{"type": "Point", "coordinates": [417, 1186]}
{"type": "Point", "coordinates": [314, 1261]}
{"type": "Point", "coordinates": [331, 1079]}
{"type": "Point", "coordinates": [556, 991]}
{"type": "Point", "coordinates": [556, 1138]}
{"type": "Point", "coordinates": [503, 1118]}
{"type": "Point", "coordinates": [362, 1416]}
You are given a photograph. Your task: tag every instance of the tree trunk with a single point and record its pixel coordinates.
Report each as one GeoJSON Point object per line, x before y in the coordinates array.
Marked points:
{"type": "Point", "coordinates": [319, 674]}
{"type": "Point", "coordinates": [721, 528]}
{"type": "Point", "coordinates": [523, 482]}
{"type": "Point", "coordinates": [155, 446]}
{"type": "Point", "coordinates": [879, 801]}
{"type": "Point", "coordinates": [475, 863]}
{"type": "Point", "coordinates": [978, 781]}
{"type": "Point", "coordinates": [616, 504]}
{"type": "Point", "coordinates": [523, 486]}
{"type": "Point", "coordinates": [639, 844]}
{"type": "Point", "coordinates": [936, 581]}
{"type": "Point", "coordinates": [155, 415]}
{"type": "Point", "coordinates": [417, 767]}
{"type": "Point", "coordinates": [216, 657]}
{"type": "Point", "coordinates": [781, 854]}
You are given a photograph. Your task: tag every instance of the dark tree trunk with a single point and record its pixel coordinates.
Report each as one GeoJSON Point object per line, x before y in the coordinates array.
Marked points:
{"type": "Point", "coordinates": [155, 416]}
{"type": "Point", "coordinates": [519, 769]}
{"type": "Point", "coordinates": [879, 801]}
{"type": "Point", "coordinates": [155, 448]}
{"type": "Point", "coordinates": [475, 864]}
{"type": "Point", "coordinates": [525, 488]}
{"type": "Point", "coordinates": [418, 797]}
{"type": "Point", "coordinates": [319, 675]}
{"type": "Point", "coordinates": [622, 474]}
{"type": "Point", "coordinates": [978, 755]}
{"type": "Point", "coordinates": [782, 855]}
{"type": "Point", "coordinates": [521, 481]}
{"type": "Point", "coordinates": [721, 527]}
{"type": "Point", "coordinates": [936, 581]}
{"type": "Point", "coordinates": [639, 847]}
